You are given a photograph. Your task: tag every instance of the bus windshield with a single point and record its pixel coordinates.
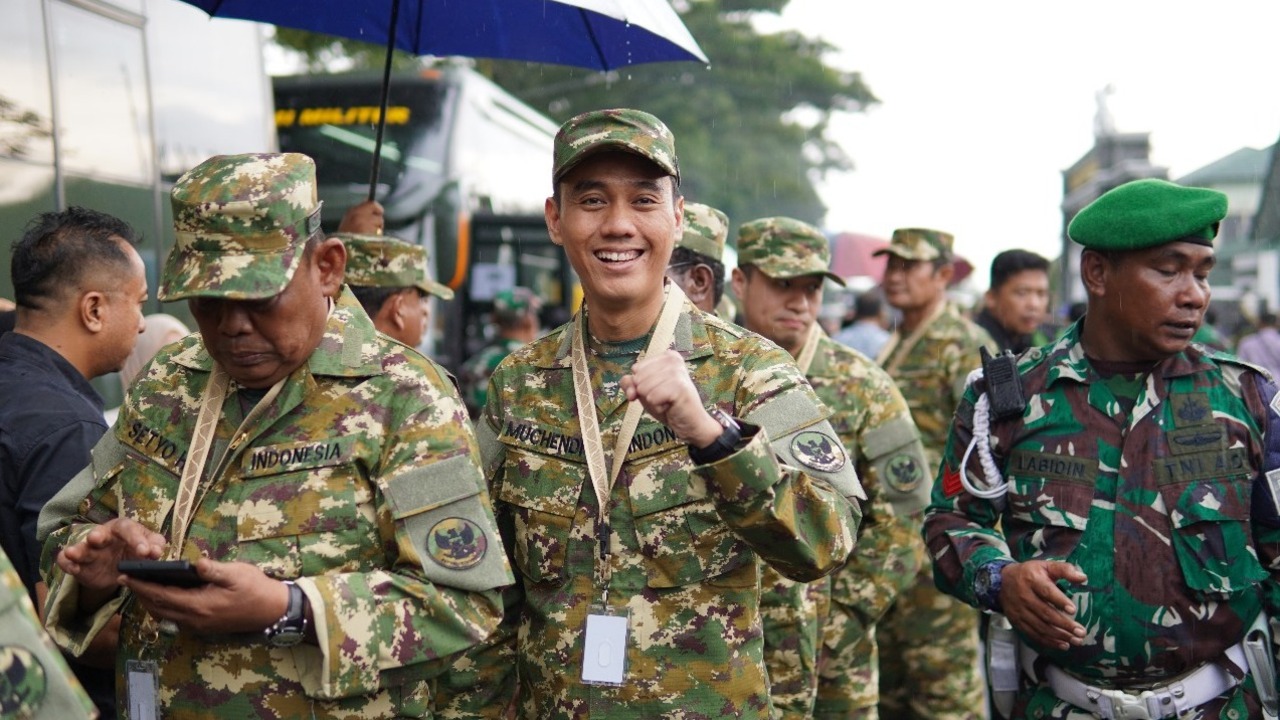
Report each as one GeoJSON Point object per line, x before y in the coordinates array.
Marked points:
{"type": "Point", "coordinates": [333, 119]}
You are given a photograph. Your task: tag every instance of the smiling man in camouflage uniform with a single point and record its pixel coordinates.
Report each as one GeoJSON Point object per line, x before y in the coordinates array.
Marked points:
{"type": "Point", "coordinates": [340, 523]}
{"type": "Point", "coordinates": [929, 658]}
{"type": "Point", "coordinates": [732, 465]}
{"type": "Point", "coordinates": [782, 266]}
{"type": "Point", "coordinates": [391, 280]}
{"type": "Point", "coordinates": [1136, 547]}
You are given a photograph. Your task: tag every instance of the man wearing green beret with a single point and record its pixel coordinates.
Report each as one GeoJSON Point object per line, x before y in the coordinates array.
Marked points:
{"type": "Point", "coordinates": [819, 637]}
{"type": "Point", "coordinates": [515, 320]}
{"type": "Point", "coordinates": [646, 459]}
{"type": "Point", "coordinates": [697, 263]}
{"type": "Point", "coordinates": [1123, 516]}
{"type": "Point", "coordinates": [928, 641]}
{"type": "Point", "coordinates": [321, 479]}
{"type": "Point", "coordinates": [391, 280]}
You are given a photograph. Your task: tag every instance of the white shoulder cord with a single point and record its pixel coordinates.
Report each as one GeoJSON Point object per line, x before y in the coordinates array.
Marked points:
{"type": "Point", "coordinates": [995, 484]}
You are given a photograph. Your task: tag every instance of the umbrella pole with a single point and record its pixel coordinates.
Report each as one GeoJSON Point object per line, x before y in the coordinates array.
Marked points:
{"type": "Point", "coordinates": [386, 93]}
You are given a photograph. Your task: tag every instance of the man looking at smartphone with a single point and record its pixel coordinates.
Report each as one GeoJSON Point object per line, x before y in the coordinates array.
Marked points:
{"type": "Point", "coordinates": [321, 478]}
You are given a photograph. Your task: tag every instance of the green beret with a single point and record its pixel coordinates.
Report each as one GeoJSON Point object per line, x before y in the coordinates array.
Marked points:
{"type": "Point", "coordinates": [1147, 213]}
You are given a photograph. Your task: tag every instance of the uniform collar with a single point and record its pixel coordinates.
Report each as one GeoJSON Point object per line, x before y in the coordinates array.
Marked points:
{"type": "Point", "coordinates": [691, 337]}
{"type": "Point", "coordinates": [1067, 361]}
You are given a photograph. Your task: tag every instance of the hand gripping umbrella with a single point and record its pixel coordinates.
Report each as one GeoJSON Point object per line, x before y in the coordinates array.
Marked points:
{"type": "Point", "coordinates": [593, 34]}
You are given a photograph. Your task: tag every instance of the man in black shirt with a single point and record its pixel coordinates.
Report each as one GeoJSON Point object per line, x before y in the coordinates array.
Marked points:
{"type": "Point", "coordinates": [79, 286]}
{"type": "Point", "coordinates": [1017, 301]}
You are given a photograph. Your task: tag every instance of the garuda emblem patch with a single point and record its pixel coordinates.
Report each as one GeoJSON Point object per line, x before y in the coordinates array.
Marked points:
{"type": "Point", "coordinates": [456, 543]}
{"type": "Point", "coordinates": [815, 450]}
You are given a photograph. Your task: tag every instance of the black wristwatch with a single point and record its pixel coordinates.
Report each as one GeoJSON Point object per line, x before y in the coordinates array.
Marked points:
{"type": "Point", "coordinates": [291, 628]}
{"type": "Point", "coordinates": [987, 583]}
{"type": "Point", "coordinates": [723, 446]}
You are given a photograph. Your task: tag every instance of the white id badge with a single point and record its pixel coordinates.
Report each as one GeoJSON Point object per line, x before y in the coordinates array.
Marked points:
{"type": "Point", "coordinates": [143, 683]}
{"type": "Point", "coordinates": [604, 651]}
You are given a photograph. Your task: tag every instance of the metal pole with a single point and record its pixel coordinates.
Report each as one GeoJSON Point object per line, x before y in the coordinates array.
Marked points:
{"type": "Point", "coordinates": [386, 93]}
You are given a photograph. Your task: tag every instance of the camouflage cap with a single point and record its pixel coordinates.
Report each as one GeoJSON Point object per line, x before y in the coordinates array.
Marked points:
{"type": "Point", "coordinates": [241, 223]}
{"type": "Point", "coordinates": [383, 261]}
{"type": "Point", "coordinates": [919, 244]}
{"type": "Point", "coordinates": [705, 230]}
{"type": "Point", "coordinates": [512, 304]}
{"type": "Point", "coordinates": [781, 247]}
{"type": "Point", "coordinates": [1146, 213]}
{"type": "Point", "coordinates": [633, 131]}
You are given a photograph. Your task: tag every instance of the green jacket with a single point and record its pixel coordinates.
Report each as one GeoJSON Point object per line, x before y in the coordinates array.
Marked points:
{"type": "Point", "coordinates": [827, 618]}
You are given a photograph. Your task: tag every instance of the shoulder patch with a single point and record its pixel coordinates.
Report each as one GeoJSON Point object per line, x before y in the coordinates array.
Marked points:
{"type": "Point", "coordinates": [814, 449]}
{"type": "Point", "coordinates": [903, 472]}
{"type": "Point", "coordinates": [456, 543]}
{"type": "Point", "coordinates": [23, 682]}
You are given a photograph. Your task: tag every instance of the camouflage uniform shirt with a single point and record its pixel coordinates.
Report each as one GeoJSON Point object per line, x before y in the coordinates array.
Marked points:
{"type": "Point", "coordinates": [932, 372]}
{"type": "Point", "coordinates": [834, 618]}
{"type": "Point", "coordinates": [356, 481]}
{"type": "Point", "coordinates": [35, 682]}
{"type": "Point", "coordinates": [1158, 506]}
{"type": "Point", "coordinates": [684, 541]}
{"type": "Point", "coordinates": [477, 371]}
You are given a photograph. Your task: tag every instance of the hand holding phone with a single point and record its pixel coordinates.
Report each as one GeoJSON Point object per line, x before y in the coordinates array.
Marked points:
{"type": "Point", "coordinates": [175, 573]}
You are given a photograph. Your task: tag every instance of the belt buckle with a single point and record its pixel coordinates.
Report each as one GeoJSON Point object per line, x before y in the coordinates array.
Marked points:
{"type": "Point", "coordinates": [1125, 706]}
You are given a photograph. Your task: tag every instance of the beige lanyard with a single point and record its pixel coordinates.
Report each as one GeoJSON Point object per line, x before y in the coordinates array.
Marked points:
{"type": "Point", "coordinates": [891, 348]}
{"type": "Point", "coordinates": [215, 393]}
{"type": "Point", "coordinates": [589, 421]}
{"type": "Point", "coordinates": [805, 359]}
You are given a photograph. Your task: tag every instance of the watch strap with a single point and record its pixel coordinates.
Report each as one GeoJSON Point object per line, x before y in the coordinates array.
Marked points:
{"type": "Point", "coordinates": [724, 445]}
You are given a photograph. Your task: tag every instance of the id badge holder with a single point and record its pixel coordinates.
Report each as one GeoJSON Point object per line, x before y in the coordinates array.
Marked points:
{"type": "Point", "coordinates": [142, 678]}
{"type": "Point", "coordinates": [604, 649]}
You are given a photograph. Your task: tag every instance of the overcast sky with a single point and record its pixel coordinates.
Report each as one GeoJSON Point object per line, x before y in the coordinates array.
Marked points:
{"type": "Point", "coordinates": [984, 103]}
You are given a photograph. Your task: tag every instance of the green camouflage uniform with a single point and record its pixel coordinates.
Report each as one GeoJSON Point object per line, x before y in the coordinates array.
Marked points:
{"type": "Point", "coordinates": [820, 644]}
{"type": "Point", "coordinates": [871, 417]}
{"type": "Point", "coordinates": [508, 306]}
{"type": "Point", "coordinates": [928, 640]}
{"type": "Point", "coordinates": [477, 371]}
{"type": "Point", "coordinates": [1086, 477]}
{"type": "Point", "coordinates": [1157, 479]}
{"type": "Point", "coordinates": [358, 480]}
{"type": "Point", "coordinates": [35, 681]}
{"type": "Point", "coordinates": [685, 540]}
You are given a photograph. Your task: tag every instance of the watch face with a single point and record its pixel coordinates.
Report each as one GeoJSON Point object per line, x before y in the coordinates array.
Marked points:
{"type": "Point", "coordinates": [287, 637]}
{"type": "Point", "coordinates": [983, 581]}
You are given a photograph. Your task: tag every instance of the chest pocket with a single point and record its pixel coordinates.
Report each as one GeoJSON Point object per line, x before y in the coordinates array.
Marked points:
{"type": "Point", "coordinates": [540, 492]}
{"type": "Point", "coordinates": [681, 535]}
{"type": "Point", "coordinates": [310, 522]}
{"type": "Point", "coordinates": [1210, 519]}
{"type": "Point", "coordinates": [1048, 503]}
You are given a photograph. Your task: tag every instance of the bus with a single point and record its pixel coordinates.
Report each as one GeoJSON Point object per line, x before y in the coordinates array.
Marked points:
{"type": "Point", "coordinates": [104, 103]}
{"type": "Point", "coordinates": [464, 172]}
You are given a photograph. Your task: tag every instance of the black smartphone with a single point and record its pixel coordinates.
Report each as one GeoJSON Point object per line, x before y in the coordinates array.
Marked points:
{"type": "Point", "coordinates": [178, 573]}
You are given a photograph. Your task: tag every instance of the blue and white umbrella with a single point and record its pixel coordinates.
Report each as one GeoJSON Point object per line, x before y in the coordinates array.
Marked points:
{"type": "Point", "coordinates": [593, 34]}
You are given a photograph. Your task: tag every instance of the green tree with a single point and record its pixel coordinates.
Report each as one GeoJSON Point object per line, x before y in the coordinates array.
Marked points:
{"type": "Point", "coordinates": [742, 143]}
